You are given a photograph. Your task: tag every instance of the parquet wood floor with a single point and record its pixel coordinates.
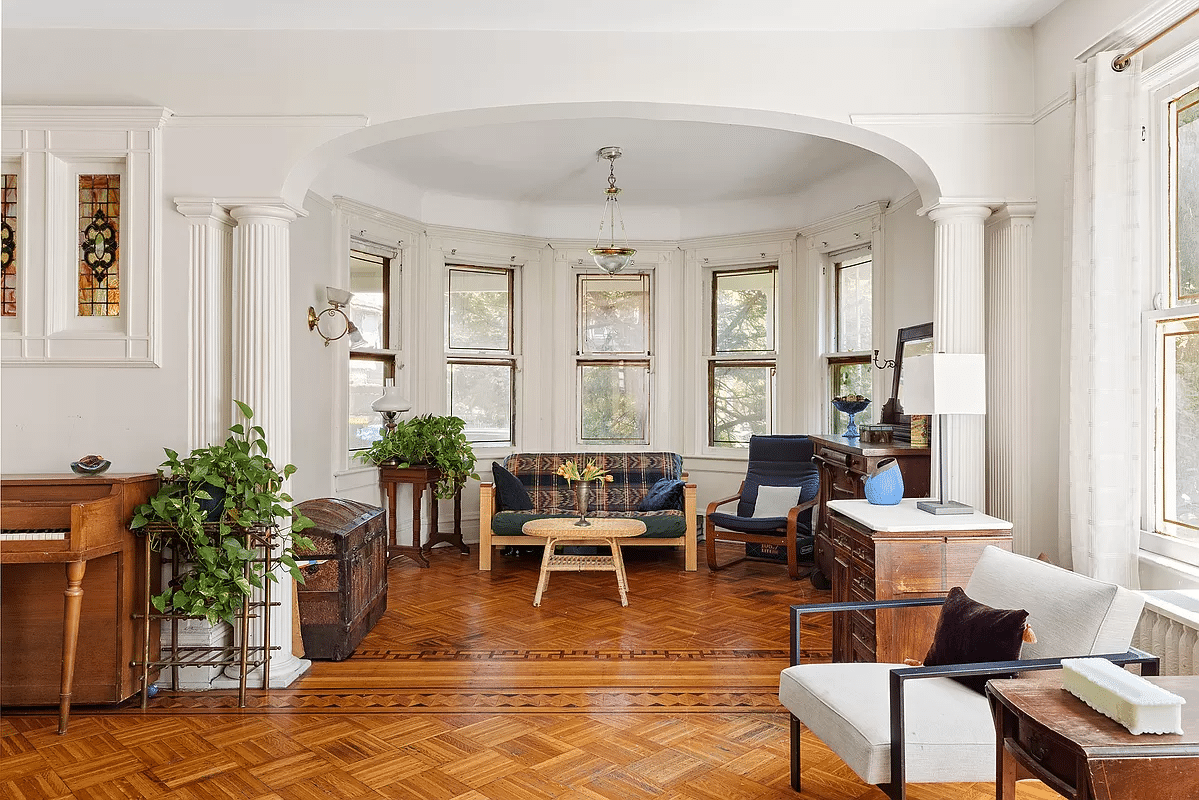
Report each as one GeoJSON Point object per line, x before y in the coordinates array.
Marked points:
{"type": "Point", "coordinates": [464, 691]}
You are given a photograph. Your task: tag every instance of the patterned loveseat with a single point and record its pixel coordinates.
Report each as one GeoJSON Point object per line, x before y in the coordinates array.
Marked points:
{"type": "Point", "coordinates": [633, 475]}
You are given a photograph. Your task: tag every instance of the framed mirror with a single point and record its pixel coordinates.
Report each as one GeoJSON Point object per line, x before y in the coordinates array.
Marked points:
{"type": "Point", "coordinates": [912, 341]}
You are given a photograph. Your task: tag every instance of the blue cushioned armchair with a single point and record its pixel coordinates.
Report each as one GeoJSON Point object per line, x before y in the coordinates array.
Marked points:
{"type": "Point", "coordinates": [774, 503]}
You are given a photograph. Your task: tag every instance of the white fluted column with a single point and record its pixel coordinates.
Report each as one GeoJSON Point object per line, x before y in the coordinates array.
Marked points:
{"type": "Point", "coordinates": [959, 326]}
{"type": "Point", "coordinates": [1009, 413]}
{"type": "Point", "coordinates": [210, 265]}
{"type": "Point", "coordinates": [262, 374]}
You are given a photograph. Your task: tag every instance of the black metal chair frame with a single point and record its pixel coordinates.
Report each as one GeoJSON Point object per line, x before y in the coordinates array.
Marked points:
{"type": "Point", "coordinates": [897, 789]}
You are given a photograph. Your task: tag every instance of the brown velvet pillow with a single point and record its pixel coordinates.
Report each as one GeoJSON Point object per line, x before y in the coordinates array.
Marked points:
{"type": "Point", "coordinates": [969, 632]}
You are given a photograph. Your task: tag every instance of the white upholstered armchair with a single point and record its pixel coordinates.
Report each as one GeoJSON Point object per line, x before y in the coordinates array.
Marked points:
{"type": "Point", "coordinates": [892, 724]}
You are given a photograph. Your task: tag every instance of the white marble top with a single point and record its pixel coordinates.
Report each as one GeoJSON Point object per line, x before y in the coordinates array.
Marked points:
{"type": "Point", "coordinates": [906, 517]}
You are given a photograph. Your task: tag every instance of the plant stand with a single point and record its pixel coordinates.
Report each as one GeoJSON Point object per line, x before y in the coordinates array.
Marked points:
{"type": "Point", "coordinates": [240, 653]}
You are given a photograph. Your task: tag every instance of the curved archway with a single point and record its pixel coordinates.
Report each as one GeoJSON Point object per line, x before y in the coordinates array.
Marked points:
{"type": "Point", "coordinates": [305, 171]}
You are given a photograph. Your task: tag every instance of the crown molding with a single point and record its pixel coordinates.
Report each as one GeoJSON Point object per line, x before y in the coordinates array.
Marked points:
{"type": "Point", "coordinates": [870, 120]}
{"type": "Point", "coordinates": [1145, 24]}
{"type": "Point", "coordinates": [1172, 67]}
{"type": "Point", "coordinates": [90, 118]}
{"type": "Point", "coordinates": [318, 199]}
{"type": "Point", "coordinates": [271, 121]}
{"type": "Point", "coordinates": [347, 205]}
{"type": "Point", "coordinates": [780, 236]}
{"type": "Point", "coordinates": [862, 212]}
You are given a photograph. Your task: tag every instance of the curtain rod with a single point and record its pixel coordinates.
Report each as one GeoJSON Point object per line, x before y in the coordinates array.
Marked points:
{"type": "Point", "coordinates": [1121, 62]}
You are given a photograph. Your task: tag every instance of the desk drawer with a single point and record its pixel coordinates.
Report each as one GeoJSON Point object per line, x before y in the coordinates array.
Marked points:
{"type": "Point", "coordinates": [1042, 746]}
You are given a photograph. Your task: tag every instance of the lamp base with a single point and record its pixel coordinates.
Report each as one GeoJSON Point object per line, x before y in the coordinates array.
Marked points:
{"type": "Point", "coordinates": [947, 507]}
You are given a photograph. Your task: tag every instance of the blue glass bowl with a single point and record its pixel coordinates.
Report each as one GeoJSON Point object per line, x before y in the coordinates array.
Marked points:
{"type": "Point", "coordinates": [850, 406]}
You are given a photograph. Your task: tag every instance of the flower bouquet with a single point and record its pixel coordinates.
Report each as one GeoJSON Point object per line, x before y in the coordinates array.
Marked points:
{"type": "Point", "coordinates": [582, 485]}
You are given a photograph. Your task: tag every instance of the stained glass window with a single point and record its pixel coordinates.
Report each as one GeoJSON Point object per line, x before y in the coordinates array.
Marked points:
{"type": "Point", "coordinates": [8, 246]}
{"type": "Point", "coordinates": [99, 237]}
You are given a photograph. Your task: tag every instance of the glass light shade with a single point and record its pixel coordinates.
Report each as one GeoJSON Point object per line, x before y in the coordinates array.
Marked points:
{"type": "Point", "coordinates": [612, 259]}
{"type": "Point", "coordinates": [338, 297]}
{"type": "Point", "coordinates": [391, 401]}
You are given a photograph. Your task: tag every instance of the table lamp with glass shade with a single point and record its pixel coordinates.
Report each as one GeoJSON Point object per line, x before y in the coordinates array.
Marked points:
{"type": "Point", "coordinates": [940, 384]}
{"type": "Point", "coordinates": [391, 404]}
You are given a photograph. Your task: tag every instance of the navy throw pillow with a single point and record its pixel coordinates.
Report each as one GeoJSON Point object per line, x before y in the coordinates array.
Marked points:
{"type": "Point", "coordinates": [512, 494]}
{"type": "Point", "coordinates": [665, 495]}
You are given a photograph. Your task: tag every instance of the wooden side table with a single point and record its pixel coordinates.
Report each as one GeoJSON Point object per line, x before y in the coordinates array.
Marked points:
{"type": "Point", "coordinates": [1044, 732]}
{"type": "Point", "coordinates": [558, 530]}
{"type": "Point", "coordinates": [420, 478]}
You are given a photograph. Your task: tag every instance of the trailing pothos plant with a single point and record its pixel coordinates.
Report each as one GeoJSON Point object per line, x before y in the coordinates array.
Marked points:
{"type": "Point", "coordinates": [428, 440]}
{"type": "Point", "coordinates": [207, 501]}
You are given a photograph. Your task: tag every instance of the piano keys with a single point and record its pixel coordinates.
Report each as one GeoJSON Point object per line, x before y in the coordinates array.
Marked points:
{"type": "Point", "coordinates": [70, 582]}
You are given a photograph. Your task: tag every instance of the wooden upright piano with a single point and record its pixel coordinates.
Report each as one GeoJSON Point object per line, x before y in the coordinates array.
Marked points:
{"type": "Point", "coordinates": [54, 621]}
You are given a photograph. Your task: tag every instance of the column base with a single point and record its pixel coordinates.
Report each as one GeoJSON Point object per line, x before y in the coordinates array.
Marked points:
{"type": "Point", "coordinates": [283, 674]}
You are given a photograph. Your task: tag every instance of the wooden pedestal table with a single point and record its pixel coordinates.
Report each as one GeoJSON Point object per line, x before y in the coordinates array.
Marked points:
{"type": "Point", "coordinates": [563, 531]}
{"type": "Point", "coordinates": [1043, 731]}
{"type": "Point", "coordinates": [420, 478]}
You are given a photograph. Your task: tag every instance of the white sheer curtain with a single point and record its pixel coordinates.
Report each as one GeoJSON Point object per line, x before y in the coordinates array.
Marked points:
{"type": "Point", "coordinates": [1101, 413]}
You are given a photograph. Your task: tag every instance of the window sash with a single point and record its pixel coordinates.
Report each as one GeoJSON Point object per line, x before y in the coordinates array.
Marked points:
{"type": "Point", "coordinates": [502, 338]}
{"type": "Point", "coordinates": [495, 427]}
{"type": "Point", "coordinates": [846, 375]}
{"type": "Point", "coordinates": [626, 421]}
{"type": "Point", "coordinates": [850, 334]}
{"type": "Point", "coordinates": [768, 337]}
{"type": "Point", "coordinates": [363, 424]}
{"type": "Point", "coordinates": [1176, 429]}
{"type": "Point", "coordinates": [1183, 120]}
{"type": "Point", "coordinates": [720, 407]}
{"type": "Point", "coordinates": [591, 323]}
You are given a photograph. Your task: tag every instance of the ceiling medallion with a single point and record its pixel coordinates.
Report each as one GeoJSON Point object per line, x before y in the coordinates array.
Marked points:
{"type": "Point", "coordinates": [611, 258]}
{"type": "Point", "coordinates": [99, 246]}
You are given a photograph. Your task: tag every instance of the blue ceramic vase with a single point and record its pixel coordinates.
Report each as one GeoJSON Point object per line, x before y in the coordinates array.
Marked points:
{"type": "Point", "coordinates": [884, 486]}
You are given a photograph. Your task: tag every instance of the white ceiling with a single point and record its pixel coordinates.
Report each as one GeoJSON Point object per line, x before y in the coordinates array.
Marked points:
{"type": "Point", "coordinates": [663, 162]}
{"type": "Point", "coordinates": [528, 15]}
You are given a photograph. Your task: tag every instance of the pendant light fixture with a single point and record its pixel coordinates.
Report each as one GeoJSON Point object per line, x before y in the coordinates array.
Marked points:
{"type": "Point", "coordinates": [611, 259]}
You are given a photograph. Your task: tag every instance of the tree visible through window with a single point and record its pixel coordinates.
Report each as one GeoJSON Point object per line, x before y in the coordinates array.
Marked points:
{"type": "Point", "coordinates": [480, 352]}
{"type": "Point", "coordinates": [613, 359]}
{"type": "Point", "coordinates": [852, 331]}
{"type": "Point", "coordinates": [372, 354]}
{"type": "Point", "coordinates": [741, 369]}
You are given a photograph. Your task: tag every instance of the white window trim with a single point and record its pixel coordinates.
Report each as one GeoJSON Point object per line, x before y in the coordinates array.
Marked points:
{"type": "Point", "coordinates": [1167, 79]}
{"type": "Point", "coordinates": [648, 358]}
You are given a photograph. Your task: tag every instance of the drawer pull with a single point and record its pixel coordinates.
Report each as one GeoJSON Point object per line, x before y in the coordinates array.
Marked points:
{"type": "Point", "coordinates": [841, 542]}
{"type": "Point", "coordinates": [1036, 747]}
{"type": "Point", "coordinates": [863, 554]}
{"type": "Point", "coordinates": [866, 586]}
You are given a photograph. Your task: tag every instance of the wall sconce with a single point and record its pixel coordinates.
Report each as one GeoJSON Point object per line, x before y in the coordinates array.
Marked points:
{"type": "Point", "coordinates": [391, 404]}
{"type": "Point", "coordinates": [338, 299]}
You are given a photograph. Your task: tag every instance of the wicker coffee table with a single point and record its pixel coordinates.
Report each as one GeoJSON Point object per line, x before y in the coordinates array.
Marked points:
{"type": "Point", "coordinates": [559, 530]}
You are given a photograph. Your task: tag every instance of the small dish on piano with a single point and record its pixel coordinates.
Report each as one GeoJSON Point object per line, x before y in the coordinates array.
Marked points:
{"type": "Point", "coordinates": [90, 465]}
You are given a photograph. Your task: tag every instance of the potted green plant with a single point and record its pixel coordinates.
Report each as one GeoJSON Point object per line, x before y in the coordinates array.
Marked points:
{"type": "Point", "coordinates": [207, 503]}
{"type": "Point", "coordinates": [432, 441]}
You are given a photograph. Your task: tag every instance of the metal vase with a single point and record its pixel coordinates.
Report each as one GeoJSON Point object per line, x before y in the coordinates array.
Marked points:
{"type": "Point", "coordinates": [582, 501]}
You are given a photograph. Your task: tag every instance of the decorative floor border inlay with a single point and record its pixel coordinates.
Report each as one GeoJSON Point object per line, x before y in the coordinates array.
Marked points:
{"type": "Point", "coordinates": [588, 655]}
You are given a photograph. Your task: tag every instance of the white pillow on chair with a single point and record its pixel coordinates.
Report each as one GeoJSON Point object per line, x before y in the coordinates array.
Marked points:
{"type": "Point", "coordinates": [776, 501]}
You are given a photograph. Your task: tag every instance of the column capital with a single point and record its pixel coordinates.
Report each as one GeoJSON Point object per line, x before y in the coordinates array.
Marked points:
{"type": "Point", "coordinates": [944, 212]}
{"type": "Point", "coordinates": [203, 208]}
{"type": "Point", "coordinates": [1016, 212]}
{"type": "Point", "coordinates": [268, 211]}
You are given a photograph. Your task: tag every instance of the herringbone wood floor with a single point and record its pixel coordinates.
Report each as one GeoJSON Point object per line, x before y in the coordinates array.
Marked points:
{"type": "Point", "coordinates": [464, 691]}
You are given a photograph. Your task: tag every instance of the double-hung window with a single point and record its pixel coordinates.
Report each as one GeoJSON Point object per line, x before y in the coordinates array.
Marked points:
{"type": "Point", "coordinates": [480, 338]}
{"type": "Point", "coordinates": [372, 343]}
{"type": "Point", "coordinates": [852, 332]}
{"type": "Point", "coordinates": [613, 364]}
{"type": "Point", "coordinates": [1175, 335]}
{"type": "Point", "coordinates": [743, 354]}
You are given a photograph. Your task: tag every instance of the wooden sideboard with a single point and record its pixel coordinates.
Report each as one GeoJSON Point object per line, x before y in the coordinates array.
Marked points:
{"type": "Point", "coordinates": [844, 465]}
{"type": "Point", "coordinates": [895, 553]}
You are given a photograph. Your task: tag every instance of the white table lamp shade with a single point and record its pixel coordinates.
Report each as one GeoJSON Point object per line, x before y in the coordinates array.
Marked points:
{"type": "Point", "coordinates": [945, 383]}
{"type": "Point", "coordinates": [391, 400]}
